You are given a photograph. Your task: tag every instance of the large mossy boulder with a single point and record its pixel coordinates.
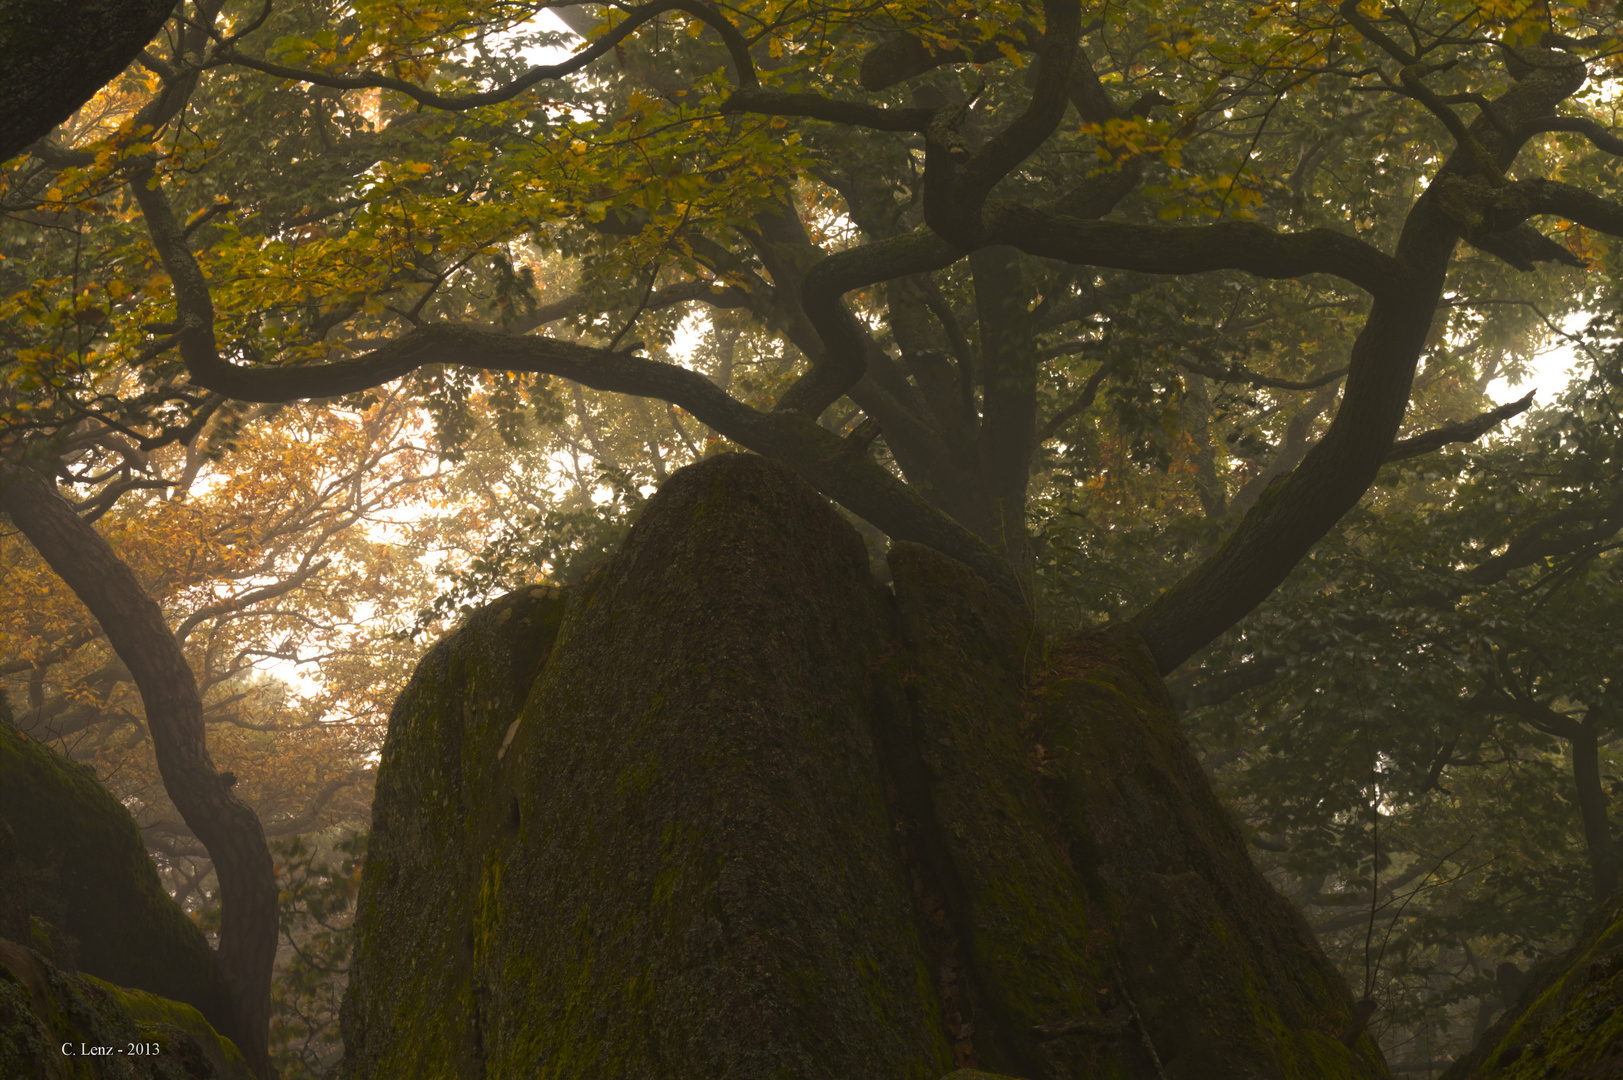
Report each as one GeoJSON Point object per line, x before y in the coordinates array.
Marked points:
{"type": "Point", "coordinates": [58, 1026]}
{"type": "Point", "coordinates": [1568, 1022]}
{"type": "Point", "coordinates": [74, 859]}
{"type": "Point", "coordinates": [731, 809]}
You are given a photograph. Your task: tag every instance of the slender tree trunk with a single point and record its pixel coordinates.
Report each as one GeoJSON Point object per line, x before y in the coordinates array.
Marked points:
{"type": "Point", "coordinates": [1009, 421]}
{"type": "Point", "coordinates": [1592, 808]}
{"type": "Point", "coordinates": [228, 828]}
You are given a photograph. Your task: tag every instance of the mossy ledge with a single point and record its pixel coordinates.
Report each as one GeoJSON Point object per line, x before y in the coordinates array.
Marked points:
{"type": "Point", "coordinates": [76, 860]}
{"type": "Point", "coordinates": [730, 809]}
{"type": "Point", "coordinates": [44, 1011]}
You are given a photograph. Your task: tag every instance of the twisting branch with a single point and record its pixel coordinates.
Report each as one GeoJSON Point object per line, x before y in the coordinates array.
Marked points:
{"type": "Point", "coordinates": [957, 181]}
{"type": "Point", "coordinates": [855, 481]}
{"type": "Point", "coordinates": [843, 361]}
{"type": "Point", "coordinates": [1090, 390]}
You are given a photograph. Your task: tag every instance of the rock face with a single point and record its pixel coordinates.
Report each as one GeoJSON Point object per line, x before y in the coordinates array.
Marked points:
{"type": "Point", "coordinates": [74, 859]}
{"type": "Point", "coordinates": [730, 809]}
{"type": "Point", "coordinates": [1568, 1022]}
{"type": "Point", "coordinates": [58, 1026]}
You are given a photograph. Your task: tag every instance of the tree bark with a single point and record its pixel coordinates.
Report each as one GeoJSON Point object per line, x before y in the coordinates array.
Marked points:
{"type": "Point", "coordinates": [57, 55]}
{"type": "Point", "coordinates": [229, 828]}
{"type": "Point", "coordinates": [1592, 809]}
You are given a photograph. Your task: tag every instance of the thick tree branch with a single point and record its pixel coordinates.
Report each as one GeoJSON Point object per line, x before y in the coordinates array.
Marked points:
{"type": "Point", "coordinates": [1168, 249]}
{"type": "Point", "coordinates": [818, 107]}
{"type": "Point", "coordinates": [957, 181]}
{"type": "Point", "coordinates": [1293, 513]}
{"type": "Point", "coordinates": [1464, 431]}
{"type": "Point", "coordinates": [1603, 138]}
{"type": "Point", "coordinates": [1482, 211]}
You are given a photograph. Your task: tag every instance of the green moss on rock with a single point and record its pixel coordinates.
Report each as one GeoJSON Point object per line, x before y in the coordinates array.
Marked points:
{"type": "Point", "coordinates": [443, 813]}
{"type": "Point", "coordinates": [728, 809]}
{"type": "Point", "coordinates": [1029, 933]}
{"type": "Point", "coordinates": [51, 1021]}
{"type": "Point", "coordinates": [686, 815]}
{"type": "Point", "coordinates": [81, 865]}
{"type": "Point", "coordinates": [180, 1028]}
{"type": "Point", "coordinates": [1225, 973]}
{"type": "Point", "coordinates": [1569, 1021]}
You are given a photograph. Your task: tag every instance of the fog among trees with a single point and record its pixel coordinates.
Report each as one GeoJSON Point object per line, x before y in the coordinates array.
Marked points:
{"type": "Point", "coordinates": [326, 324]}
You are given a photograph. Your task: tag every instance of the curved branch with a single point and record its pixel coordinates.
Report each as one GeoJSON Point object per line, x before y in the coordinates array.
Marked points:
{"type": "Point", "coordinates": [249, 598]}
{"type": "Point", "coordinates": [845, 341]}
{"type": "Point", "coordinates": [818, 107]}
{"type": "Point", "coordinates": [957, 181]}
{"type": "Point", "coordinates": [1464, 431]}
{"type": "Point", "coordinates": [1603, 138]}
{"type": "Point", "coordinates": [1062, 29]}
{"type": "Point", "coordinates": [1090, 390]}
{"type": "Point", "coordinates": [1173, 249]}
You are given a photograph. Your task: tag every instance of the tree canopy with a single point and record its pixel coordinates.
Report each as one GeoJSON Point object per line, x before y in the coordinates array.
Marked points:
{"type": "Point", "coordinates": [1124, 306]}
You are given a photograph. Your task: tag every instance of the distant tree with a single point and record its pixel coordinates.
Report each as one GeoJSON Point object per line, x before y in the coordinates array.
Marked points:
{"type": "Point", "coordinates": [1443, 672]}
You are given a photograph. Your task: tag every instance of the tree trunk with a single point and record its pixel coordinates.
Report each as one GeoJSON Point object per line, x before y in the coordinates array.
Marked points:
{"type": "Point", "coordinates": [1592, 809]}
{"type": "Point", "coordinates": [59, 54]}
{"type": "Point", "coordinates": [229, 828]}
{"type": "Point", "coordinates": [730, 809]}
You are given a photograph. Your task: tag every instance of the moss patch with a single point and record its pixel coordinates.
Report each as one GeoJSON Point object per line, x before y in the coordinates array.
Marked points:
{"type": "Point", "coordinates": [729, 809]}
{"type": "Point", "coordinates": [1569, 1022]}
{"type": "Point", "coordinates": [81, 865]}
{"type": "Point", "coordinates": [43, 1009]}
